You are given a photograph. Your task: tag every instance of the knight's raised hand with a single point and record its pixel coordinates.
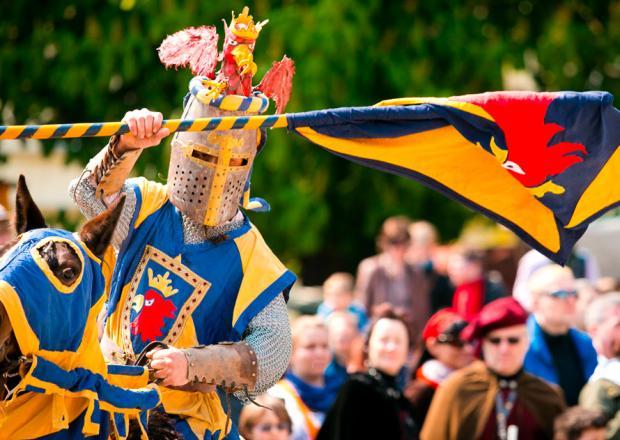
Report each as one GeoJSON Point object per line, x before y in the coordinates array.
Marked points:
{"type": "Point", "coordinates": [145, 130]}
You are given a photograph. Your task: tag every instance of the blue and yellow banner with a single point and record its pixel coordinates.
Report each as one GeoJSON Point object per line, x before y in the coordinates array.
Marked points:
{"type": "Point", "coordinates": [542, 164]}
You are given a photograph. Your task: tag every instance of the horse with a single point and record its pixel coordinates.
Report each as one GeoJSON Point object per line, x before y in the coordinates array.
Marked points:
{"type": "Point", "coordinates": [53, 375]}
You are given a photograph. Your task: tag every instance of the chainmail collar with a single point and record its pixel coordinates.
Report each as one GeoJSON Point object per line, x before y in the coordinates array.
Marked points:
{"type": "Point", "coordinates": [194, 232]}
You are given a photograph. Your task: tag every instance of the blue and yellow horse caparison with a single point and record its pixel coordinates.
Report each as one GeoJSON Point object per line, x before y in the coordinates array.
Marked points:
{"type": "Point", "coordinates": [52, 287]}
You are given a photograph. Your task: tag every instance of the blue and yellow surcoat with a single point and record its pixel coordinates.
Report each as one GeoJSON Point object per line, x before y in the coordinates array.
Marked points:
{"type": "Point", "coordinates": [68, 391]}
{"type": "Point", "coordinates": [187, 294]}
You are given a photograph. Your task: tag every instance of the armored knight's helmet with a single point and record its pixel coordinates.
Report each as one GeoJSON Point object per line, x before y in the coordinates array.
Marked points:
{"type": "Point", "coordinates": [209, 169]}
{"type": "Point", "coordinates": [208, 178]}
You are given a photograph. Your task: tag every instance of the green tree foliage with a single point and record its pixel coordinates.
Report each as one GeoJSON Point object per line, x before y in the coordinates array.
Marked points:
{"type": "Point", "coordinates": [91, 60]}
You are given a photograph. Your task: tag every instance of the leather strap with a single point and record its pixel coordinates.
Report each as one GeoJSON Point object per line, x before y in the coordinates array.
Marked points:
{"type": "Point", "coordinates": [111, 170]}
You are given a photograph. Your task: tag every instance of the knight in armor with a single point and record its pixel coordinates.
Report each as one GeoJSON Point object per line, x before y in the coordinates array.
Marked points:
{"type": "Point", "coordinates": [191, 270]}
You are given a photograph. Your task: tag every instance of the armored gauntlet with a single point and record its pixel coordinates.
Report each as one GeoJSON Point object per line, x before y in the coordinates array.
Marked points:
{"type": "Point", "coordinates": [229, 365]}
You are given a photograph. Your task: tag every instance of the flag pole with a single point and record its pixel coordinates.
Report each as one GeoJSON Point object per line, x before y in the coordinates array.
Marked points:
{"type": "Point", "coordinates": [106, 129]}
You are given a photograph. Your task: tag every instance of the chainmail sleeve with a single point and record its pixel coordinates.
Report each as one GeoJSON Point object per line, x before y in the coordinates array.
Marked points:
{"type": "Point", "coordinates": [269, 335]}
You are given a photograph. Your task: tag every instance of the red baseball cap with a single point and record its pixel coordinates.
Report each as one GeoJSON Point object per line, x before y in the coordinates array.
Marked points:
{"type": "Point", "coordinates": [440, 323]}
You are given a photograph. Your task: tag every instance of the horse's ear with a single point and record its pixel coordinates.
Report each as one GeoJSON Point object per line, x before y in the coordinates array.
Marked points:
{"type": "Point", "coordinates": [27, 213]}
{"type": "Point", "coordinates": [97, 232]}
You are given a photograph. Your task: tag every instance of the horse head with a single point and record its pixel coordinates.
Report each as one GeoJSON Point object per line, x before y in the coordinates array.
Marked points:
{"type": "Point", "coordinates": [62, 261]}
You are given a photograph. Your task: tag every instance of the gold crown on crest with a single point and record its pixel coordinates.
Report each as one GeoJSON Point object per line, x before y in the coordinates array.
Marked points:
{"type": "Point", "coordinates": [243, 25]}
{"type": "Point", "coordinates": [162, 283]}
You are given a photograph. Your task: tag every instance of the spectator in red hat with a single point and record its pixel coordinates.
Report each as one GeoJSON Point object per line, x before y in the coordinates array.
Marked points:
{"type": "Point", "coordinates": [444, 353]}
{"type": "Point", "coordinates": [492, 398]}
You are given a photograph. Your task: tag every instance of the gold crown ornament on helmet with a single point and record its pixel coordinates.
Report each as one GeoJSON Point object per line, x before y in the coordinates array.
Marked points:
{"type": "Point", "coordinates": [243, 25]}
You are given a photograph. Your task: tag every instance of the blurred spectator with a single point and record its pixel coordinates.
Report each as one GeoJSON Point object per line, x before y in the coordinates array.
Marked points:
{"type": "Point", "coordinates": [582, 263]}
{"type": "Point", "coordinates": [586, 293]}
{"type": "Point", "coordinates": [440, 261]}
{"type": "Point", "coordinates": [371, 405]}
{"type": "Point", "coordinates": [578, 423]}
{"type": "Point", "coordinates": [444, 353]}
{"type": "Point", "coordinates": [388, 279]}
{"type": "Point", "coordinates": [306, 395]}
{"type": "Point", "coordinates": [338, 297]}
{"type": "Point", "coordinates": [424, 238]}
{"type": "Point", "coordinates": [489, 399]}
{"type": "Point", "coordinates": [421, 253]}
{"type": "Point", "coordinates": [472, 289]}
{"type": "Point", "coordinates": [558, 352]}
{"type": "Point", "coordinates": [342, 335]}
{"type": "Point", "coordinates": [6, 231]}
{"type": "Point", "coordinates": [603, 389]}
{"type": "Point", "coordinates": [606, 285]}
{"type": "Point", "coordinates": [270, 421]}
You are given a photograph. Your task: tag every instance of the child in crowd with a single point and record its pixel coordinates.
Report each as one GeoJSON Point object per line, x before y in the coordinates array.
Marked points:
{"type": "Point", "coordinates": [338, 297]}
{"type": "Point", "coordinates": [270, 421]}
{"type": "Point", "coordinates": [343, 338]}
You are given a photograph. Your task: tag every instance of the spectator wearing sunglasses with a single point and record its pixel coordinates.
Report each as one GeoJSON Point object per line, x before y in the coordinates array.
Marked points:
{"type": "Point", "coordinates": [491, 398]}
{"type": "Point", "coordinates": [444, 353]}
{"type": "Point", "coordinates": [270, 421]}
{"type": "Point", "coordinates": [558, 352]}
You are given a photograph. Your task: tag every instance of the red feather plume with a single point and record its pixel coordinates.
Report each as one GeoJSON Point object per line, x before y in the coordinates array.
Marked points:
{"type": "Point", "coordinates": [278, 82]}
{"type": "Point", "coordinates": [195, 47]}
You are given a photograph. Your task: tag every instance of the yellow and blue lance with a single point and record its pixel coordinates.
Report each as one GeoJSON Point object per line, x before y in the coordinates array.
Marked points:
{"type": "Point", "coordinates": [105, 129]}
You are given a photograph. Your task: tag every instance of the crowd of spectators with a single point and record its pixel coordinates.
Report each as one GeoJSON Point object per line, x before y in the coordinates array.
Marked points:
{"type": "Point", "coordinates": [425, 342]}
